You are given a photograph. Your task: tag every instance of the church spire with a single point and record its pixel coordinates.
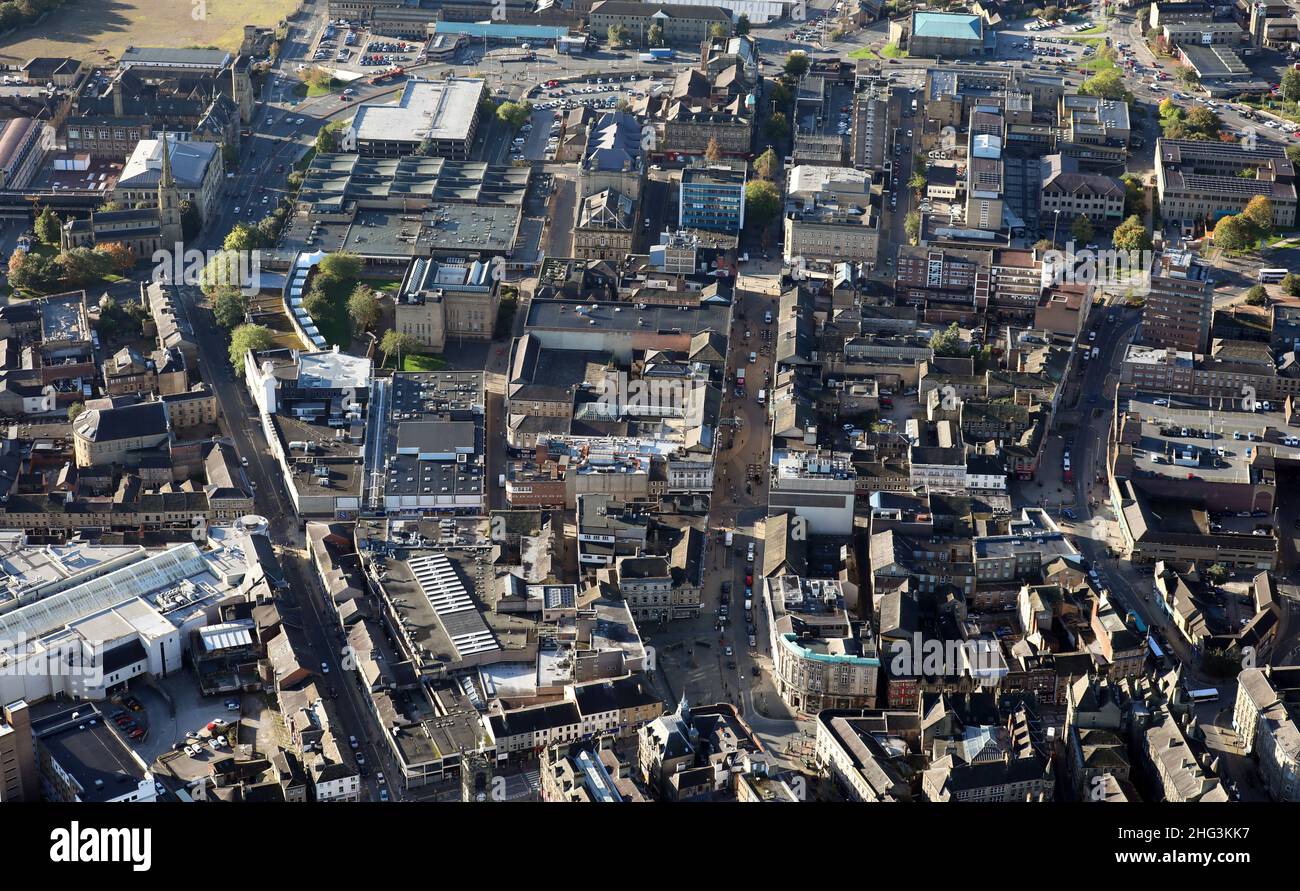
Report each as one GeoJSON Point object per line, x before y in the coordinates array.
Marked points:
{"type": "Point", "coordinates": [166, 181]}
{"type": "Point", "coordinates": [169, 201]}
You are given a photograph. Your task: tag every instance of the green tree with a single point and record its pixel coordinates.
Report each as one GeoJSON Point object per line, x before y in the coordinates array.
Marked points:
{"type": "Point", "coordinates": [1051, 13]}
{"type": "Point", "coordinates": [655, 36]}
{"type": "Point", "coordinates": [242, 237]}
{"type": "Point", "coordinates": [780, 94]}
{"type": "Point", "coordinates": [82, 266]}
{"type": "Point", "coordinates": [1290, 85]}
{"type": "Point", "coordinates": [1259, 213]}
{"type": "Point", "coordinates": [713, 151]}
{"type": "Point", "coordinates": [912, 226]}
{"type": "Point", "coordinates": [719, 31]}
{"type": "Point", "coordinates": [947, 342]}
{"type": "Point", "coordinates": [191, 222]}
{"type": "Point", "coordinates": [1203, 123]}
{"type": "Point", "coordinates": [505, 321]}
{"type": "Point", "coordinates": [742, 25]}
{"type": "Point", "coordinates": [1187, 76]}
{"type": "Point", "coordinates": [917, 182]}
{"type": "Point", "coordinates": [230, 308]}
{"type": "Point", "coordinates": [34, 272]}
{"type": "Point", "coordinates": [317, 303]}
{"type": "Point", "coordinates": [1107, 84]}
{"type": "Point", "coordinates": [762, 202]}
{"type": "Point", "coordinates": [1135, 200]}
{"type": "Point", "coordinates": [1256, 296]}
{"type": "Point", "coordinates": [618, 35]}
{"type": "Point", "coordinates": [1216, 574]}
{"type": "Point", "coordinates": [327, 140]}
{"type": "Point", "coordinates": [767, 164]}
{"type": "Point", "coordinates": [1043, 245]}
{"type": "Point", "coordinates": [248, 338]}
{"type": "Point", "coordinates": [1132, 235]}
{"type": "Point", "coordinates": [1234, 233]}
{"type": "Point", "coordinates": [397, 343]}
{"type": "Point", "coordinates": [1082, 229]}
{"type": "Point", "coordinates": [1290, 284]}
{"type": "Point", "coordinates": [48, 227]}
{"type": "Point", "coordinates": [75, 410]}
{"type": "Point", "coordinates": [341, 266]}
{"type": "Point", "coordinates": [514, 114]}
{"type": "Point", "coordinates": [796, 65]}
{"type": "Point", "coordinates": [120, 257]}
{"type": "Point", "coordinates": [363, 307]}
{"type": "Point", "coordinates": [777, 126]}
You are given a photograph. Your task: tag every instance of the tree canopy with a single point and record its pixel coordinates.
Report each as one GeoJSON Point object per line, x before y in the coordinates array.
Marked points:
{"type": "Point", "coordinates": [245, 338]}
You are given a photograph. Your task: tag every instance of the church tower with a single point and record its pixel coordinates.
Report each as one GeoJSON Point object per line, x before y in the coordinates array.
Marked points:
{"type": "Point", "coordinates": [169, 202]}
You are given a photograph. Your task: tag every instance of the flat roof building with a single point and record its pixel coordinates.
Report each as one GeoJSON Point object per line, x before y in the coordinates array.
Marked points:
{"type": "Point", "coordinates": [445, 112]}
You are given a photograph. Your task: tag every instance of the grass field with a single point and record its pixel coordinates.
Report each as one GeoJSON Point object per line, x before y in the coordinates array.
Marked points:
{"type": "Point", "coordinates": [84, 28]}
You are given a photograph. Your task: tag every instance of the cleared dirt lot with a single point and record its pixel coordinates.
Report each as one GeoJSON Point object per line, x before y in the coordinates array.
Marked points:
{"type": "Point", "coordinates": [82, 31]}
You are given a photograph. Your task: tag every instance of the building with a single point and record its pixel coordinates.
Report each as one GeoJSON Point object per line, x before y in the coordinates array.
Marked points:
{"type": "Point", "coordinates": [119, 435]}
{"type": "Point", "coordinates": [865, 752]}
{"type": "Point", "coordinates": [197, 168]}
{"type": "Point", "coordinates": [313, 412]}
{"type": "Point", "coordinates": [818, 487]}
{"type": "Point", "coordinates": [204, 95]}
{"type": "Point", "coordinates": [760, 12]}
{"type": "Point", "coordinates": [985, 172]}
{"type": "Point", "coordinates": [698, 754]}
{"type": "Point", "coordinates": [822, 656]}
{"type": "Point", "coordinates": [606, 224]}
{"type": "Point", "coordinates": [83, 757]}
{"type": "Point", "coordinates": [1179, 304]}
{"type": "Point", "coordinates": [680, 24]}
{"type": "Point", "coordinates": [1264, 716]}
{"type": "Point", "coordinates": [712, 197]}
{"type": "Point", "coordinates": [128, 614]}
{"type": "Point", "coordinates": [1095, 132]}
{"type": "Point", "coordinates": [940, 35]}
{"type": "Point", "coordinates": [1067, 194]}
{"type": "Point", "coordinates": [445, 113]}
{"type": "Point", "coordinates": [19, 777]}
{"type": "Point", "coordinates": [1200, 32]}
{"type": "Point", "coordinates": [832, 216]}
{"type": "Point", "coordinates": [1199, 182]}
{"type": "Point", "coordinates": [144, 230]}
{"type": "Point", "coordinates": [613, 157]}
{"type": "Point", "coordinates": [440, 303]}
{"type": "Point", "coordinates": [24, 145]}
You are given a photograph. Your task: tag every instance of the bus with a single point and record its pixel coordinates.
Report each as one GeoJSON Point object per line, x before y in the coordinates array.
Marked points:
{"type": "Point", "coordinates": [1207, 695]}
{"type": "Point", "coordinates": [1156, 652]}
{"type": "Point", "coordinates": [1272, 275]}
{"type": "Point", "coordinates": [1066, 474]}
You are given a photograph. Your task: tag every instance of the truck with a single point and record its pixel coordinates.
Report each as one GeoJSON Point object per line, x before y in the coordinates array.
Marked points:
{"type": "Point", "coordinates": [1066, 473]}
{"type": "Point", "coordinates": [740, 377]}
{"type": "Point", "coordinates": [385, 76]}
